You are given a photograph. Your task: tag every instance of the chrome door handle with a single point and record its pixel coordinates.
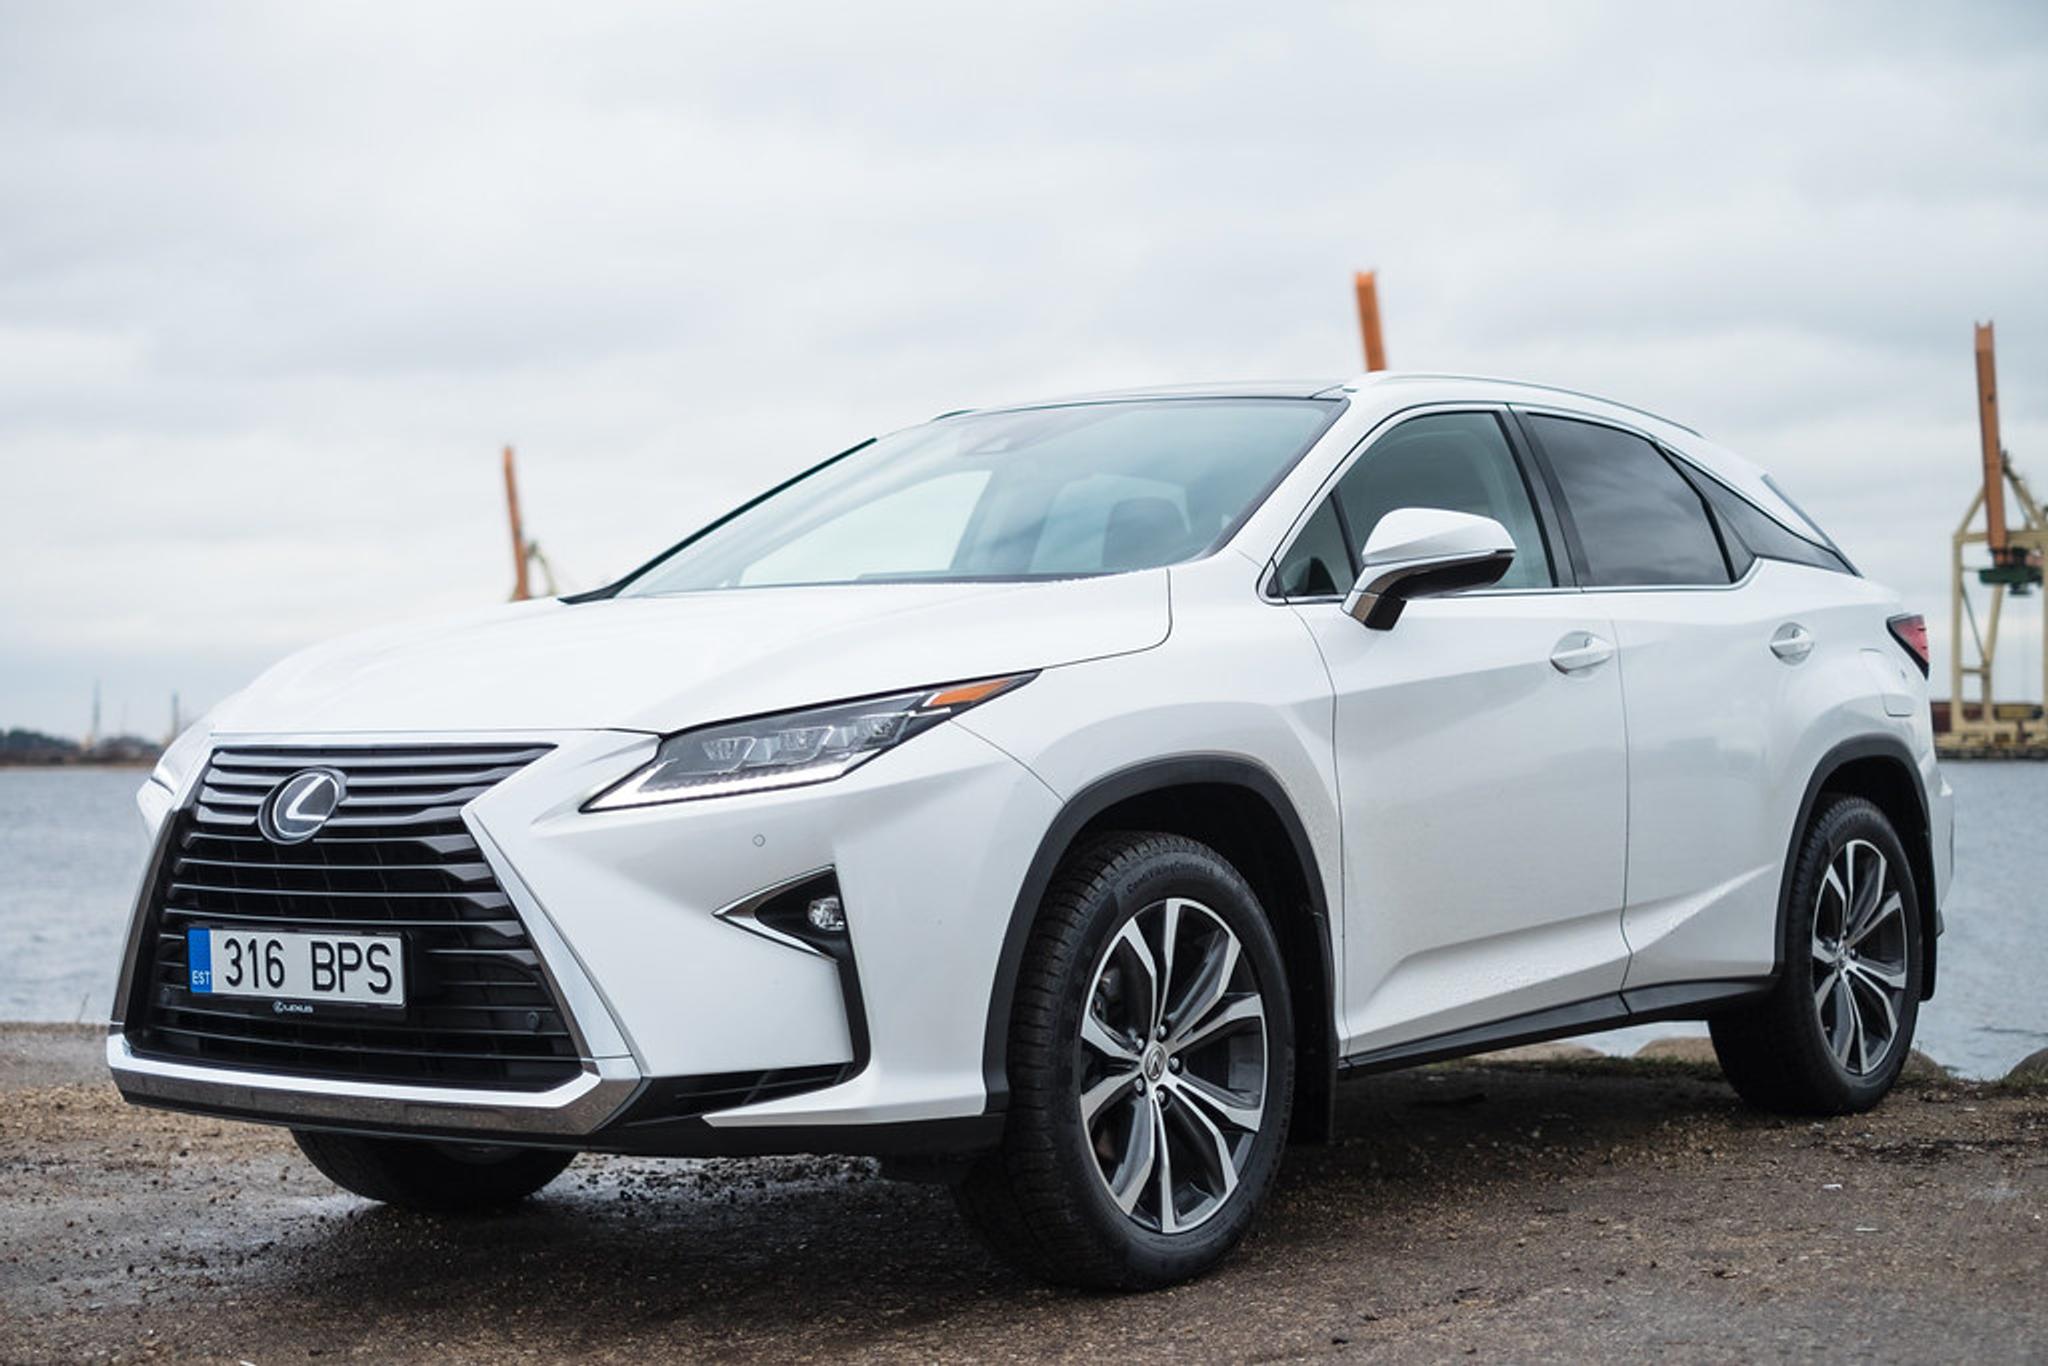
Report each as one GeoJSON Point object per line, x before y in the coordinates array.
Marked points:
{"type": "Point", "coordinates": [1579, 651]}
{"type": "Point", "coordinates": [1792, 643]}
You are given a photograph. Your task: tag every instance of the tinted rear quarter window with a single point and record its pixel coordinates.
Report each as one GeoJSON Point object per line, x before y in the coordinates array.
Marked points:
{"type": "Point", "coordinates": [1762, 534]}
{"type": "Point", "coordinates": [1640, 522]}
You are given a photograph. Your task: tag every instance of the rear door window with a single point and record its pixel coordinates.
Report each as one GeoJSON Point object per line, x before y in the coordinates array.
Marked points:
{"type": "Point", "coordinates": [1640, 522]}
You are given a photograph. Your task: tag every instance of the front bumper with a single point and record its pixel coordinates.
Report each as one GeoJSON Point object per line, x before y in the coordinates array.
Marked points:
{"type": "Point", "coordinates": [929, 844]}
{"type": "Point", "coordinates": [575, 1108]}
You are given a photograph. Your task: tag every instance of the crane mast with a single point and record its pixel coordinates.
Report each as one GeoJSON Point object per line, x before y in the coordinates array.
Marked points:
{"type": "Point", "coordinates": [525, 553]}
{"type": "Point", "coordinates": [1985, 725]}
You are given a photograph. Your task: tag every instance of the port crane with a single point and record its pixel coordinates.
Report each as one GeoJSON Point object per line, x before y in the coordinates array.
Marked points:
{"type": "Point", "coordinates": [526, 554]}
{"type": "Point", "coordinates": [2016, 553]}
{"type": "Point", "coordinates": [1366, 284]}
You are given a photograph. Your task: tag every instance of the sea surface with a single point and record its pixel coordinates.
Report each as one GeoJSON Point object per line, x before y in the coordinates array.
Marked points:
{"type": "Point", "coordinates": [71, 853]}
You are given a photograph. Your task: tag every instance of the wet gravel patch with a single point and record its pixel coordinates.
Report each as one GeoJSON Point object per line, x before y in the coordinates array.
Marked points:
{"type": "Point", "coordinates": [1542, 1210]}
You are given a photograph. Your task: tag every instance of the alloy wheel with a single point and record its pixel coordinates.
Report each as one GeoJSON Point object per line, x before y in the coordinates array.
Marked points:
{"type": "Point", "coordinates": [1859, 957]}
{"type": "Point", "coordinates": [1172, 1065]}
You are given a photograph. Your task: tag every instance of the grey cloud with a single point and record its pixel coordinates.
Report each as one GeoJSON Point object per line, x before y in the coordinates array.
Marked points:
{"type": "Point", "coordinates": [276, 282]}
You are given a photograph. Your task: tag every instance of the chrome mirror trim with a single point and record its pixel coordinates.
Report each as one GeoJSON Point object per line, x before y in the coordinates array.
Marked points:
{"type": "Point", "coordinates": [1425, 552]}
{"type": "Point", "coordinates": [1377, 602]}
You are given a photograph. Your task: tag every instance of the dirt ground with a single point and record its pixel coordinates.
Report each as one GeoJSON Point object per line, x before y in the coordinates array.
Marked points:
{"type": "Point", "coordinates": [1585, 1210]}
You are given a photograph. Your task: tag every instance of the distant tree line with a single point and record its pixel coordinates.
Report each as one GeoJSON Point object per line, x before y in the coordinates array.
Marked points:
{"type": "Point", "coordinates": [31, 747]}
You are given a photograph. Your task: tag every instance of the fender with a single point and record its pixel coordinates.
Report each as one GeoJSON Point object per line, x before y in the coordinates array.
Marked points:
{"type": "Point", "coordinates": [1316, 1062]}
{"type": "Point", "coordinates": [1919, 853]}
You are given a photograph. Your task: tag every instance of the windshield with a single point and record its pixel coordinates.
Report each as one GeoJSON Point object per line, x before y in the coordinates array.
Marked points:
{"type": "Point", "coordinates": [1037, 493]}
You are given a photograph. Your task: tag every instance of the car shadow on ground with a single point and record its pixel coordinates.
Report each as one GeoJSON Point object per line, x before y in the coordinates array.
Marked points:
{"type": "Point", "coordinates": [825, 1250]}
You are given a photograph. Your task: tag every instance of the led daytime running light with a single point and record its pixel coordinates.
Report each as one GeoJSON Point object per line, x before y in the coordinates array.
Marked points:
{"type": "Point", "coordinates": [791, 749]}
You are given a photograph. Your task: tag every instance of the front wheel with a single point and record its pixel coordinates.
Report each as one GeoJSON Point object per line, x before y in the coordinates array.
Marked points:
{"type": "Point", "coordinates": [428, 1175]}
{"type": "Point", "coordinates": [1151, 1063]}
{"type": "Point", "coordinates": [1833, 1033]}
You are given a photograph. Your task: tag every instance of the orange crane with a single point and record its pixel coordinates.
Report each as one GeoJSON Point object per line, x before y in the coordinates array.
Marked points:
{"type": "Point", "coordinates": [2015, 569]}
{"type": "Point", "coordinates": [525, 553]}
{"type": "Point", "coordinates": [1366, 282]}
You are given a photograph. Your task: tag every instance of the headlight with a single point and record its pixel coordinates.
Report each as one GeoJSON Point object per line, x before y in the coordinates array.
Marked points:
{"type": "Point", "coordinates": [791, 748]}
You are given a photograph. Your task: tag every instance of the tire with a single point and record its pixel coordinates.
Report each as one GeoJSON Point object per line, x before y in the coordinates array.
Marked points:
{"type": "Point", "coordinates": [1044, 1198]}
{"type": "Point", "coordinates": [1818, 1042]}
{"type": "Point", "coordinates": [429, 1176]}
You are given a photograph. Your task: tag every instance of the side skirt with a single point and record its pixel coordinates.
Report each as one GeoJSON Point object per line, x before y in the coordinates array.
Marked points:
{"type": "Point", "coordinates": [1643, 1005]}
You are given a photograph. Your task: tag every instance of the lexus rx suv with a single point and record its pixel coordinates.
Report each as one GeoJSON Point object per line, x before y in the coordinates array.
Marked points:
{"type": "Point", "coordinates": [1058, 800]}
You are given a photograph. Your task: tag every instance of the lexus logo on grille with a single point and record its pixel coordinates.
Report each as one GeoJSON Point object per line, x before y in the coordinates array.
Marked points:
{"type": "Point", "coordinates": [300, 805]}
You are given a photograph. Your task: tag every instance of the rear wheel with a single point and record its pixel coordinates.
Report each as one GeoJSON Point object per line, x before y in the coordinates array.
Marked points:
{"type": "Point", "coordinates": [428, 1175]}
{"type": "Point", "coordinates": [1151, 1069]}
{"type": "Point", "coordinates": [1832, 1035]}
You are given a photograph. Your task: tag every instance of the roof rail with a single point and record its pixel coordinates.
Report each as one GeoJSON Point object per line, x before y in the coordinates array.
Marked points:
{"type": "Point", "coordinates": [1381, 376]}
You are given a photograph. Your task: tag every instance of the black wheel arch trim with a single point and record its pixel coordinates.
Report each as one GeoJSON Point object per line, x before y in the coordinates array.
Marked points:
{"type": "Point", "coordinates": [1316, 1058]}
{"type": "Point", "coordinates": [1919, 843]}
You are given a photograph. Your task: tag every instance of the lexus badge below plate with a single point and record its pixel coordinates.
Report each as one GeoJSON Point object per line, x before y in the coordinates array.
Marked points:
{"type": "Point", "coordinates": [361, 969]}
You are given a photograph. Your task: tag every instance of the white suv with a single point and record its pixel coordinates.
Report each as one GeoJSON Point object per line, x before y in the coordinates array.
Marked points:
{"type": "Point", "coordinates": [1058, 800]}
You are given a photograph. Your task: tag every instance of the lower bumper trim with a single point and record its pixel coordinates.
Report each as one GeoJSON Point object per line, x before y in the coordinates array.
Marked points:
{"type": "Point", "coordinates": [609, 1109]}
{"type": "Point", "coordinates": [571, 1110]}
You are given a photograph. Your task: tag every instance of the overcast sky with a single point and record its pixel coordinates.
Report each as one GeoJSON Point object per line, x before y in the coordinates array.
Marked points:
{"type": "Point", "coordinates": [277, 281]}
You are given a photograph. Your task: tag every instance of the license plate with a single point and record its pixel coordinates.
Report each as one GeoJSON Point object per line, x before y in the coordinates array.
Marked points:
{"type": "Point", "coordinates": [362, 969]}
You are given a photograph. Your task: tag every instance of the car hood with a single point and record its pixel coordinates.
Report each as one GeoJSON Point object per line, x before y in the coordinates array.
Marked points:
{"type": "Point", "coordinates": [671, 662]}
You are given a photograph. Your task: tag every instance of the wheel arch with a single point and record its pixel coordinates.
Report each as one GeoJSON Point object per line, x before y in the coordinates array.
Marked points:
{"type": "Point", "coordinates": [1880, 769]}
{"type": "Point", "coordinates": [1236, 806]}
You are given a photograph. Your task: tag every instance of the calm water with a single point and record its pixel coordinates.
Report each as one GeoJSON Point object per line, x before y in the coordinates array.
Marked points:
{"type": "Point", "coordinates": [71, 851]}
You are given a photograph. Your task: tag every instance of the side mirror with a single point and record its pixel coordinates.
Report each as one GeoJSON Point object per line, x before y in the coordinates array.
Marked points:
{"type": "Point", "coordinates": [1425, 553]}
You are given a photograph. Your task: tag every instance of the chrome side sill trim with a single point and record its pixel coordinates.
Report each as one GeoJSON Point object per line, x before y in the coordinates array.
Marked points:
{"type": "Point", "coordinates": [578, 1106]}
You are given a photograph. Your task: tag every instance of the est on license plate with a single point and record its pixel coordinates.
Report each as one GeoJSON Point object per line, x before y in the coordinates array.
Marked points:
{"type": "Point", "coordinates": [362, 969]}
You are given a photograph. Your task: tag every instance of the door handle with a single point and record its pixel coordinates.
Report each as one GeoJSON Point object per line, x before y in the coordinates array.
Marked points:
{"type": "Point", "coordinates": [1792, 642]}
{"type": "Point", "coordinates": [1579, 651]}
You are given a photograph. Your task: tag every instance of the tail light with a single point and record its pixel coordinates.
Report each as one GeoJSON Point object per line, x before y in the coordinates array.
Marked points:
{"type": "Point", "coordinates": [1911, 633]}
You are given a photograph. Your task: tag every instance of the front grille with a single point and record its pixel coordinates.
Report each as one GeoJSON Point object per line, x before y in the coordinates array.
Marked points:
{"type": "Point", "coordinates": [394, 856]}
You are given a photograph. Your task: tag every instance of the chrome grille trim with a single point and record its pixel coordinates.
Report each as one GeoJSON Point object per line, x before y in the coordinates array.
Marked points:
{"type": "Point", "coordinates": [292, 758]}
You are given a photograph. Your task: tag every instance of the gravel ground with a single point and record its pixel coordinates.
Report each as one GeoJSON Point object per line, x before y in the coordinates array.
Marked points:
{"type": "Point", "coordinates": [1574, 1209]}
